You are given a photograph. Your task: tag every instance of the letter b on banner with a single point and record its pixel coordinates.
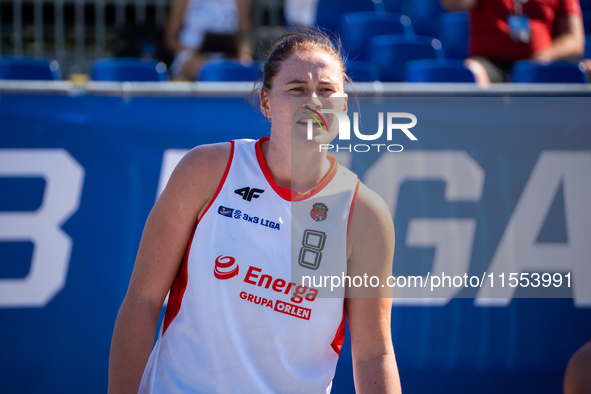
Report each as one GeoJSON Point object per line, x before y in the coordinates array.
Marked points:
{"type": "Point", "coordinates": [52, 246]}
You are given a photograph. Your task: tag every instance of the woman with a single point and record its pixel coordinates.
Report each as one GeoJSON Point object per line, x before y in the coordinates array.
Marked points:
{"type": "Point", "coordinates": [235, 322]}
{"type": "Point", "coordinates": [196, 30]}
{"type": "Point", "coordinates": [504, 31]}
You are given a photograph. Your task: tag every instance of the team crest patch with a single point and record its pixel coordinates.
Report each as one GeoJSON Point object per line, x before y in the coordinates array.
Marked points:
{"type": "Point", "coordinates": [319, 211]}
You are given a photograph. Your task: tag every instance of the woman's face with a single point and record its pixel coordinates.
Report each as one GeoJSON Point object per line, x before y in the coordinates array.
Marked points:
{"type": "Point", "coordinates": [308, 81]}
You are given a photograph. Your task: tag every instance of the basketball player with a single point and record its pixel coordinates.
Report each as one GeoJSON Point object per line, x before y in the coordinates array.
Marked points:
{"type": "Point", "coordinates": [235, 322]}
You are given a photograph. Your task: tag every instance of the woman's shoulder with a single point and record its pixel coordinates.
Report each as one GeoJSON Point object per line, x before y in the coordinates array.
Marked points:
{"type": "Point", "coordinates": [371, 220]}
{"type": "Point", "coordinates": [197, 176]}
{"type": "Point", "coordinates": [370, 207]}
{"type": "Point", "coordinates": [207, 160]}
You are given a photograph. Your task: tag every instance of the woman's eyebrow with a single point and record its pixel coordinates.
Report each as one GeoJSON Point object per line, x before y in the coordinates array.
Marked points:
{"type": "Point", "coordinates": [296, 81]}
{"type": "Point", "coordinates": [305, 82]}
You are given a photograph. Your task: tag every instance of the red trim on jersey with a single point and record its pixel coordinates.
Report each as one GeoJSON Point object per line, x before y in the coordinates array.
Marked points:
{"type": "Point", "coordinates": [339, 337]}
{"type": "Point", "coordinates": [177, 290]}
{"type": "Point", "coordinates": [219, 189]}
{"type": "Point", "coordinates": [352, 206]}
{"type": "Point", "coordinates": [179, 285]}
{"type": "Point", "coordinates": [286, 193]}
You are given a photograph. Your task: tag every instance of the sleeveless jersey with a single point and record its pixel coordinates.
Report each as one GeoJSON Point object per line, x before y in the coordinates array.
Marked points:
{"type": "Point", "coordinates": [235, 321]}
{"type": "Point", "coordinates": [201, 16]}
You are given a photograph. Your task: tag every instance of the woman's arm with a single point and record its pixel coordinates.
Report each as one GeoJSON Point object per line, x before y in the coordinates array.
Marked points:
{"type": "Point", "coordinates": [569, 41]}
{"type": "Point", "coordinates": [161, 250]}
{"type": "Point", "coordinates": [174, 24]}
{"type": "Point", "coordinates": [374, 363]}
{"type": "Point", "coordinates": [244, 26]}
{"type": "Point", "coordinates": [371, 250]}
{"type": "Point", "coordinates": [243, 15]}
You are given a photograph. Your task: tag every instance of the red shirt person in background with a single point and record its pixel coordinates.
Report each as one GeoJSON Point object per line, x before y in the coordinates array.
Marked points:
{"type": "Point", "coordinates": [504, 31]}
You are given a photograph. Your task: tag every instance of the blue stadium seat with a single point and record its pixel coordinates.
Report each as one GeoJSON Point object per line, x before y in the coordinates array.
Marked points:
{"type": "Point", "coordinates": [438, 70]}
{"type": "Point", "coordinates": [229, 70]}
{"type": "Point", "coordinates": [424, 15]}
{"type": "Point", "coordinates": [587, 47]}
{"type": "Point", "coordinates": [453, 34]}
{"type": "Point", "coordinates": [587, 22]}
{"type": "Point", "coordinates": [360, 71]}
{"type": "Point", "coordinates": [330, 12]}
{"type": "Point", "coordinates": [122, 69]}
{"type": "Point", "coordinates": [358, 28]}
{"type": "Point", "coordinates": [391, 5]}
{"type": "Point", "coordinates": [391, 54]}
{"type": "Point", "coordinates": [25, 67]}
{"type": "Point", "coordinates": [557, 72]}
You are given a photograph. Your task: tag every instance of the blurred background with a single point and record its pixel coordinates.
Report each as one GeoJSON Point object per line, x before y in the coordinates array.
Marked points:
{"type": "Point", "coordinates": [100, 99]}
{"type": "Point", "coordinates": [78, 33]}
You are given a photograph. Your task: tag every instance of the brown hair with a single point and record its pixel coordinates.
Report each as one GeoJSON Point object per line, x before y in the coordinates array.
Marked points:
{"type": "Point", "coordinates": [296, 40]}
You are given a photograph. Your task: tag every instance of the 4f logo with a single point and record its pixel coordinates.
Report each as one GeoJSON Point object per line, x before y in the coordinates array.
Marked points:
{"type": "Point", "coordinates": [248, 194]}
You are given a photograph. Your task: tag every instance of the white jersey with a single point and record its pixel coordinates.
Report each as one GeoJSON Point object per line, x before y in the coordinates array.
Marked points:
{"type": "Point", "coordinates": [201, 16]}
{"type": "Point", "coordinates": [235, 321]}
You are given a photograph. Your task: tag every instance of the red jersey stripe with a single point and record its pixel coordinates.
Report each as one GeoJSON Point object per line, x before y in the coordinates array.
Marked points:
{"type": "Point", "coordinates": [179, 284]}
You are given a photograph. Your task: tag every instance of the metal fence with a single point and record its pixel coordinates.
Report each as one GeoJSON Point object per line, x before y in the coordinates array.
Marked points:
{"type": "Point", "coordinates": [77, 32]}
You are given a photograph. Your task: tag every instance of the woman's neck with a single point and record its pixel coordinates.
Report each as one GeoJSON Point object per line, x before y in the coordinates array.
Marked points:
{"type": "Point", "coordinates": [298, 170]}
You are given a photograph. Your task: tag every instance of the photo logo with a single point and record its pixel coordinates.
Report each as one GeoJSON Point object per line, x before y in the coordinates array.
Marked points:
{"type": "Point", "coordinates": [225, 269]}
{"type": "Point", "coordinates": [345, 130]}
{"type": "Point", "coordinates": [317, 118]}
{"type": "Point", "coordinates": [319, 212]}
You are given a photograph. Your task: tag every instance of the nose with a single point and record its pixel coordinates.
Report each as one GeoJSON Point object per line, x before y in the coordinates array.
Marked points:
{"type": "Point", "coordinates": [314, 101]}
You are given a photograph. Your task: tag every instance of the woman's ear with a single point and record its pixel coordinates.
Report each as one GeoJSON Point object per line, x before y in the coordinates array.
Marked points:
{"type": "Point", "coordinates": [264, 100]}
{"type": "Point", "coordinates": [346, 108]}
